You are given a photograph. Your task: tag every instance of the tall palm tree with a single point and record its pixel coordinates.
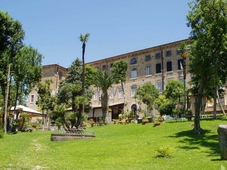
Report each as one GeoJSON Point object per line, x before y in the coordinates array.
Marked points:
{"type": "Point", "coordinates": [83, 39]}
{"type": "Point", "coordinates": [184, 54]}
{"type": "Point", "coordinates": [104, 80]}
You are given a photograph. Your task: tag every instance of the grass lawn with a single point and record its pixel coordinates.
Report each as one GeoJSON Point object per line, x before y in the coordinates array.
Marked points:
{"type": "Point", "coordinates": [121, 147]}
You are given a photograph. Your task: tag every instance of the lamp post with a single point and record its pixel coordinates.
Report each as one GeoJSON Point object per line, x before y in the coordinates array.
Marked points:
{"type": "Point", "coordinates": [184, 54]}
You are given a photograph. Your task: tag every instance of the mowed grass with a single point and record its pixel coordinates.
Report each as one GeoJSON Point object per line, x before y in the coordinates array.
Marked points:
{"type": "Point", "coordinates": [123, 147]}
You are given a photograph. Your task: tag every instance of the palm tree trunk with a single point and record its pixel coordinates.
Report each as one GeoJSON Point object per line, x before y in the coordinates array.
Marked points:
{"type": "Point", "coordinates": [83, 72]}
{"type": "Point", "coordinates": [104, 103]}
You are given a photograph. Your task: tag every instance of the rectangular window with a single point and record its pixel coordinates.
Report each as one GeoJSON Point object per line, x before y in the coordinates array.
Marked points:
{"type": "Point", "coordinates": [168, 53]}
{"type": "Point", "coordinates": [32, 99]}
{"type": "Point", "coordinates": [148, 70]}
{"type": "Point", "coordinates": [159, 86]}
{"type": "Point", "coordinates": [120, 92]}
{"type": "Point", "coordinates": [158, 68]}
{"type": "Point", "coordinates": [104, 67]}
{"type": "Point", "coordinates": [169, 66]}
{"type": "Point", "coordinates": [96, 95]}
{"type": "Point", "coordinates": [134, 73]}
{"type": "Point", "coordinates": [133, 90]}
{"type": "Point", "coordinates": [178, 52]}
{"type": "Point", "coordinates": [180, 64]}
{"type": "Point", "coordinates": [148, 58]}
{"type": "Point", "coordinates": [111, 93]}
{"type": "Point", "coordinates": [158, 55]}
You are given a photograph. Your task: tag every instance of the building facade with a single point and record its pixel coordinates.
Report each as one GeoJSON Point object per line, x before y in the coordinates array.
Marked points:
{"type": "Point", "coordinates": [53, 72]}
{"type": "Point", "coordinates": [156, 65]}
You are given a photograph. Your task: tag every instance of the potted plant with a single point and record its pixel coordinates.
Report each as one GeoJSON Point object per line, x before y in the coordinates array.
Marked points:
{"type": "Point", "coordinates": [92, 122]}
{"type": "Point", "coordinates": [157, 123]}
{"type": "Point", "coordinates": [144, 121]}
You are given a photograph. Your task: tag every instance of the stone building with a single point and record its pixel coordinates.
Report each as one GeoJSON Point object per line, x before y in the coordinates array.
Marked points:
{"type": "Point", "coordinates": [54, 72]}
{"type": "Point", "coordinates": [156, 65]}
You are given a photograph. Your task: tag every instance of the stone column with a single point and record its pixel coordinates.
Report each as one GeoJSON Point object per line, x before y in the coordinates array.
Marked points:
{"type": "Point", "coordinates": [222, 133]}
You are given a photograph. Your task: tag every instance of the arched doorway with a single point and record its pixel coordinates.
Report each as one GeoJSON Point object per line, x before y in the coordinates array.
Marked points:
{"type": "Point", "coordinates": [133, 110]}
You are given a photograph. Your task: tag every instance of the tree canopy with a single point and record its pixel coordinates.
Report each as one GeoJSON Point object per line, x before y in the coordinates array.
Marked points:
{"type": "Point", "coordinates": [20, 65]}
{"type": "Point", "coordinates": [147, 93]}
{"type": "Point", "coordinates": [208, 53]}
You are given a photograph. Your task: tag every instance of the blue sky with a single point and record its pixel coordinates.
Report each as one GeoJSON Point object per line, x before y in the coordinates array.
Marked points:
{"type": "Point", "coordinates": [115, 26]}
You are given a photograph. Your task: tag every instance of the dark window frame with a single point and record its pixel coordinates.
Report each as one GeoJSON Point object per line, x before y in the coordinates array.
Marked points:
{"type": "Point", "coordinates": [169, 66]}
{"type": "Point", "coordinates": [158, 68]}
{"type": "Point", "coordinates": [168, 53]}
{"type": "Point", "coordinates": [148, 58]}
{"type": "Point", "coordinates": [158, 55]}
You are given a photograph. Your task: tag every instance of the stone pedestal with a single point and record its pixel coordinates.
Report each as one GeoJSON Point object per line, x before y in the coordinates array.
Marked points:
{"type": "Point", "coordinates": [222, 133]}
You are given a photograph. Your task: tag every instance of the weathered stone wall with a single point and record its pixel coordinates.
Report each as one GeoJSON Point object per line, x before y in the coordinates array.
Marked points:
{"type": "Point", "coordinates": [222, 133]}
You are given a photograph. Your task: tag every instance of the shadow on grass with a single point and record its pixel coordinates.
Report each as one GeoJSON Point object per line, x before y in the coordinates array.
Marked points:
{"type": "Point", "coordinates": [208, 140]}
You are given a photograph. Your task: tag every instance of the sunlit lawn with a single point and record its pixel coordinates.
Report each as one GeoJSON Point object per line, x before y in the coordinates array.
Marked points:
{"type": "Point", "coordinates": [123, 147]}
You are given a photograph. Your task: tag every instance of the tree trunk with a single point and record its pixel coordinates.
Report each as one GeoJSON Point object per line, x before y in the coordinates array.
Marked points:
{"type": "Point", "coordinates": [6, 101]}
{"type": "Point", "coordinates": [197, 129]}
{"type": "Point", "coordinates": [104, 103]}
{"type": "Point", "coordinates": [123, 90]}
{"type": "Point", "coordinates": [223, 111]}
{"type": "Point", "coordinates": [79, 116]}
{"type": "Point", "coordinates": [83, 72]}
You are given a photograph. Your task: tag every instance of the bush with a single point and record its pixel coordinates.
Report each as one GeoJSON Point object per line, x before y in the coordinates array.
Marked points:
{"type": "Point", "coordinates": [1, 133]}
{"type": "Point", "coordinates": [164, 151]}
{"type": "Point", "coordinates": [166, 109]}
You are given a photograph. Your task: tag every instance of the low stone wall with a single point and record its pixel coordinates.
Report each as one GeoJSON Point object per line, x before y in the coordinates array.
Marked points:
{"type": "Point", "coordinates": [64, 137]}
{"type": "Point", "coordinates": [222, 133]}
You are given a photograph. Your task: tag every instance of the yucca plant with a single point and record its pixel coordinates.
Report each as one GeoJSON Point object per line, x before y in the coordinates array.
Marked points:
{"type": "Point", "coordinates": [164, 151]}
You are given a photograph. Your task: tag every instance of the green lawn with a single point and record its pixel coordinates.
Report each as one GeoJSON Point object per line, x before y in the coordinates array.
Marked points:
{"type": "Point", "coordinates": [123, 147]}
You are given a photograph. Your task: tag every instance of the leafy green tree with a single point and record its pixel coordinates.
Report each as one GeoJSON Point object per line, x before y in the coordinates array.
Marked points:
{"type": "Point", "coordinates": [27, 72]}
{"type": "Point", "coordinates": [104, 81]}
{"type": "Point", "coordinates": [208, 20]}
{"type": "Point", "coordinates": [45, 101]}
{"type": "Point", "coordinates": [59, 116]}
{"type": "Point", "coordinates": [70, 90]}
{"type": "Point", "coordinates": [11, 37]}
{"type": "Point", "coordinates": [119, 71]}
{"type": "Point", "coordinates": [174, 91]}
{"type": "Point", "coordinates": [147, 93]}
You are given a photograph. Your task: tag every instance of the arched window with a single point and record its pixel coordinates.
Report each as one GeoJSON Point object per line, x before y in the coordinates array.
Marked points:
{"type": "Point", "coordinates": [133, 90]}
{"type": "Point", "coordinates": [134, 73]}
{"type": "Point", "coordinates": [133, 61]}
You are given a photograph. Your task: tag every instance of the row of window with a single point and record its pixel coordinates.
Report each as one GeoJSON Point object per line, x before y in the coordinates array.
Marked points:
{"type": "Point", "coordinates": [133, 91]}
{"type": "Point", "coordinates": [112, 93]}
{"type": "Point", "coordinates": [147, 58]}
{"type": "Point", "coordinates": [157, 56]}
{"type": "Point", "coordinates": [158, 68]}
